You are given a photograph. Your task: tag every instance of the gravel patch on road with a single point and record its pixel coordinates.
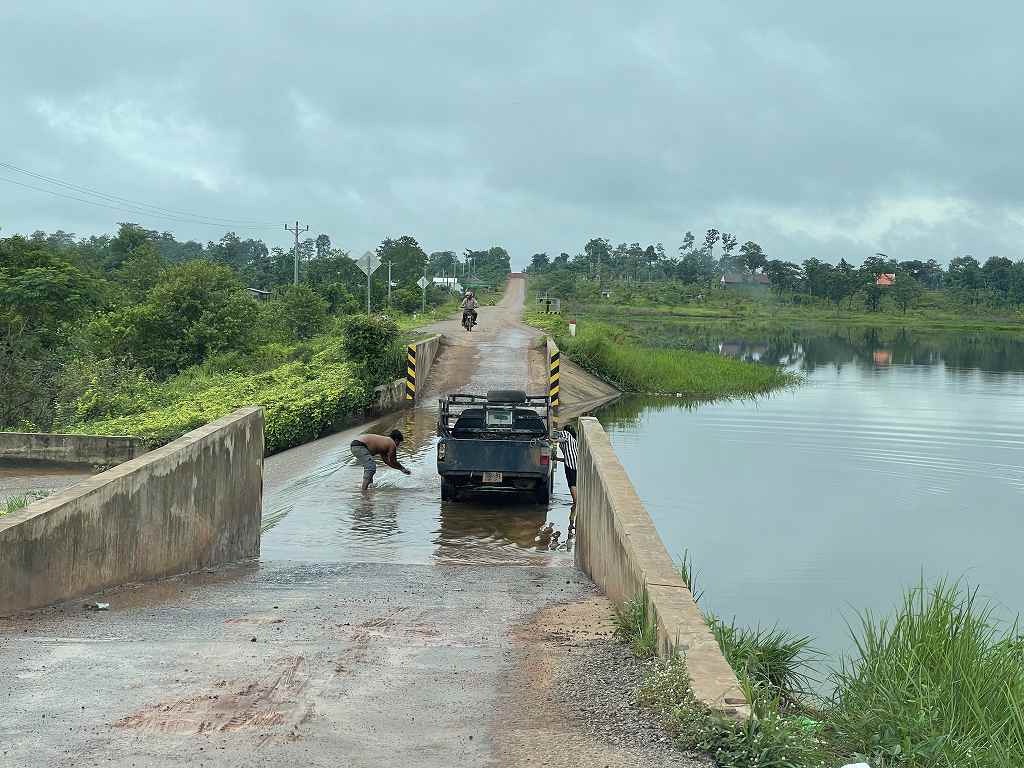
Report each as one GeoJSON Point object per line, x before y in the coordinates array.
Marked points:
{"type": "Point", "coordinates": [597, 683]}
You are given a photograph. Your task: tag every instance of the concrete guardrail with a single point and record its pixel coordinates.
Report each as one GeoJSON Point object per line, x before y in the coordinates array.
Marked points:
{"type": "Point", "coordinates": [192, 504]}
{"type": "Point", "coordinates": [49, 448]}
{"type": "Point", "coordinates": [618, 546]}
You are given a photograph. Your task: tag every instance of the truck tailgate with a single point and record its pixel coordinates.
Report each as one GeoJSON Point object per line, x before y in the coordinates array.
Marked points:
{"type": "Point", "coordinates": [507, 456]}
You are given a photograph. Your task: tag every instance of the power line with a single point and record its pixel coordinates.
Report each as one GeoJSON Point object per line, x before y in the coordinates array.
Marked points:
{"type": "Point", "coordinates": [123, 209]}
{"type": "Point", "coordinates": [127, 204]}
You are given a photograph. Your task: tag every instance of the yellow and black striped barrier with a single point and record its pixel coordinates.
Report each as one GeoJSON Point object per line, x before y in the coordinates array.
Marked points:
{"type": "Point", "coordinates": [554, 377]}
{"type": "Point", "coordinates": [410, 373]}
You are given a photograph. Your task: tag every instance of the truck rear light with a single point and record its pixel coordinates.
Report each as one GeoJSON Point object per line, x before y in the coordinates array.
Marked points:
{"type": "Point", "coordinates": [544, 459]}
{"type": "Point", "coordinates": [442, 449]}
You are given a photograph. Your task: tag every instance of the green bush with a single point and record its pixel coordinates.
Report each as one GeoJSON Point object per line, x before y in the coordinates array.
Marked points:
{"type": "Point", "coordinates": [301, 402]}
{"type": "Point", "coordinates": [102, 388]}
{"type": "Point", "coordinates": [369, 341]}
{"type": "Point", "coordinates": [766, 739]}
{"type": "Point", "coordinates": [297, 312]}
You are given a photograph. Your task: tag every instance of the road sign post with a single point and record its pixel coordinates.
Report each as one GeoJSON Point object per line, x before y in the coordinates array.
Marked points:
{"type": "Point", "coordinates": [368, 262]}
{"type": "Point", "coordinates": [422, 283]}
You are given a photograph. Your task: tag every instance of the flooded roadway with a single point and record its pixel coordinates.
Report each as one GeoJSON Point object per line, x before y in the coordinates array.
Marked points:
{"type": "Point", "coordinates": [376, 630]}
{"type": "Point", "coordinates": [314, 509]}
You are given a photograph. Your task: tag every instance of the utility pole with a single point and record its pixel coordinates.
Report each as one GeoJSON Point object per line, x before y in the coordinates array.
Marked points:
{"type": "Point", "coordinates": [389, 285]}
{"type": "Point", "coordinates": [424, 286]}
{"type": "Point", "coordinates": [295, 230]}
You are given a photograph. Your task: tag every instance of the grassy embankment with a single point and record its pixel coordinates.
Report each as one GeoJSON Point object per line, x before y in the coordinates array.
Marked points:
{"type": "Point", "coordinates": [939, 683]}
{"type": "Point", "coordinates": [307, 389]}
{"type": "Point", "coordinates": [618, 356]}
{"type": "Point", "coordinates": [934, 311]}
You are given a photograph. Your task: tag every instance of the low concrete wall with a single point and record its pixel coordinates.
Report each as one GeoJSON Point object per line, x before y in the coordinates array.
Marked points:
{"type": "Point", "coordinates": [618, 546]}
{"type": "Point", "coordinates": [91, 450]}
{"type": "Point", "coordinates": [194, 503]}
{"type": "Point", "coordinates": [426, 351]}
{"type": "Point", "coordinates": [388, 398]}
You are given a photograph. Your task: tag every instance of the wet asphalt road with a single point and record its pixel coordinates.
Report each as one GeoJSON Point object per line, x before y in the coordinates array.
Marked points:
{"type": "Point", "coordinates": [376, 630]}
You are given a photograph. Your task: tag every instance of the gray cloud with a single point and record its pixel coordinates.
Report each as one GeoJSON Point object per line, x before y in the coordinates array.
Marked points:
{"type": "Point", "coordinates": [813, 129]}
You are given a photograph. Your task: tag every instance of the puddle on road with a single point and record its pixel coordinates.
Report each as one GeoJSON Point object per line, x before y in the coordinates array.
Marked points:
{"type": "Point", "coordinates": [321, 515]}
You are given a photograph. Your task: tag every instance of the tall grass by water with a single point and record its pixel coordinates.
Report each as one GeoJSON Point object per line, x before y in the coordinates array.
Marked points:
{"type": "Point", "coordinates": [613, 354]}
{"type": "Point", "coordinates": [941, 683]}
{"type": "Point", "coordinates": [938, 684]}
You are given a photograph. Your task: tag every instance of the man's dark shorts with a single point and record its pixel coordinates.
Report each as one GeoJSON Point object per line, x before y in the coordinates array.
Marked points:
{"type": "Point", "coordinates": [365, 459]}
{"type": "Point", "coordinates": [570, 476]}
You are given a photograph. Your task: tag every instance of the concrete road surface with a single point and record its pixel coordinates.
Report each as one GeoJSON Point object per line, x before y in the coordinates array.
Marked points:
{"type": "Point", "coordinates": [385, 629]}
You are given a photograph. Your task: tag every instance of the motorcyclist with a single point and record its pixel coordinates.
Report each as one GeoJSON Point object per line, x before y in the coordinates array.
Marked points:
{"type": "Point", "coordinates": [469, 303]}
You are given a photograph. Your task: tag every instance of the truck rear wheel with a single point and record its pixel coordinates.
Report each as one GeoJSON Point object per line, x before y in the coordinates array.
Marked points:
{"type": "Point", "coordinates": [448, 490]}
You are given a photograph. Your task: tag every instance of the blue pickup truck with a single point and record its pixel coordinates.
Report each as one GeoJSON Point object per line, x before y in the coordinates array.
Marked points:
{"type": "Point", "coordinates": [498, 442]}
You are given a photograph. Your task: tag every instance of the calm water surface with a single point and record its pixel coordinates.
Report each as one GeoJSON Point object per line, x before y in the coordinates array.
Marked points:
{"type": "Point", "coordinates": [902, 455]}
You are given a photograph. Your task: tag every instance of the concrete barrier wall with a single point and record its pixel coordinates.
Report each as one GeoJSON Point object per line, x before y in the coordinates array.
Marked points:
{"type": "Point", "coordinates": [91, 450]}
{"type": "Point", "coordinates": [618, 546]}
{"type": "Point", "coordinates": [426, 351]}
{"type": "Point", "coordinates": [194, 503]}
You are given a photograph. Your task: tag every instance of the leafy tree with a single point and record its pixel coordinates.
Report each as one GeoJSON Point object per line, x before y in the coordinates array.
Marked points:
{"type": "Point", "coordinates": [783, 275]}
{"type": "Point", "coordinates": [41, 287]}
{"type": "Point", "coordinates": [299, 311]}
{"type": "Point", "coordinates": [539, 262]}
{"type": "Point", "coordinates": [195, 310]}
{"type": "Point", "coordinates": [906, 291]}
{"type": "Point", "coordinates": [729, 262]}
{"type": "Point", "coordinates": [710, 239]}
{"type": "Point", "coordinates": [323, 246]}
{"type": "Point", "coordinates": [140, 271]}
{"type": "Point", "coordinates": [965, 273]}
{"type": "Point", "coordinates": [753, 258]}
{"type": "Point", "coordinates": [872, 292]}
{"type": "Point", "coordinates": [996, 275]}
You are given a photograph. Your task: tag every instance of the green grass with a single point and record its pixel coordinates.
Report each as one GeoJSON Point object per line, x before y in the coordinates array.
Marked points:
{"type": "Point", "coordinates": [635, 626]}
{"type": "Point", "coordinates": [939, 684]}
{"type": "Point", "coordinates": [615, 355]}
{"type": "Point", "coordinates": [15, 503]}
{"type": "Point", "coordinates": [12, 504]}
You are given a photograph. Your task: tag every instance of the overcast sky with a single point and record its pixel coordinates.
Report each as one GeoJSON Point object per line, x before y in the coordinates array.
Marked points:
{"type": "Point", "coordinates": [811, 128]}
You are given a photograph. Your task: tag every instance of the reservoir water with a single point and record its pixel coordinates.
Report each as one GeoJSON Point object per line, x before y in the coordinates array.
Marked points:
{"type": "Point", "coordinates": [901, 456]}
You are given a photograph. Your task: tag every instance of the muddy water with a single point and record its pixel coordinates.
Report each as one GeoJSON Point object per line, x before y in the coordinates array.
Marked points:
{"type": "Point", "coordinates": [314, 509]}
{"type": "Point", "coordinates": [903, 455]}
{"type": "Point", "coordinates": [322, 515]}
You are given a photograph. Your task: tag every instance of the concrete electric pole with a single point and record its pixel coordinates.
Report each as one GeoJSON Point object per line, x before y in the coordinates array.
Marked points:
{"type": "Point", "coordinates": [295, 230]}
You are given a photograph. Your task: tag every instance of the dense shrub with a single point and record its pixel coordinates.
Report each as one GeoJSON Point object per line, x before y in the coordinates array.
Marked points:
{"type": "Point", "coordinates": [369, 341]}
{"type": "Point", "coordinates": [195, 310]}
{"type": "Point", "coordinates": [301, 402]}
{"type": "Point", "coordinates": [298, 312]}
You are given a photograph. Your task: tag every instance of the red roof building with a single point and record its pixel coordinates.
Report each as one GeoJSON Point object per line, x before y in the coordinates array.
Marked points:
{"type": "Point", "coordinates": [886, 278]}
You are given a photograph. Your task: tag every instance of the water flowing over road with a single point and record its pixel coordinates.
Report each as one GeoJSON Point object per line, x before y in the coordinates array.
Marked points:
{"type": "Point", "coordinates": [385, 629]}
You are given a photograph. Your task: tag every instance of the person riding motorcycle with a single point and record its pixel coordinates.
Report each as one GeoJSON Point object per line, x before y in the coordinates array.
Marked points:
{"type": "Point", "coordinates": [469, 304]}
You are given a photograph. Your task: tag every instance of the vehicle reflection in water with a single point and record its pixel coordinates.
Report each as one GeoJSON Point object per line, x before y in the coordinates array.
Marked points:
{"type": "Point", "coordinates": [320, 514]}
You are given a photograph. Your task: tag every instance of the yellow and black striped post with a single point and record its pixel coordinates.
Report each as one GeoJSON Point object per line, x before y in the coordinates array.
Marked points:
{"type": "Point", "coordinates": [553, 378]}
{"type": "Point", "coordinates": [410, 373]}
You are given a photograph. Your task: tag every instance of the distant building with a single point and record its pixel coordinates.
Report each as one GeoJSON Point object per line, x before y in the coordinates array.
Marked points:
{"type": "Point", "coordinates": [258, 294]}
{"type": "Point", "coordinates": [451, 283]}
{"type": "Point", "coordinates": [744, 280]}
{"type": "Point", "coordinates": [886, 278]}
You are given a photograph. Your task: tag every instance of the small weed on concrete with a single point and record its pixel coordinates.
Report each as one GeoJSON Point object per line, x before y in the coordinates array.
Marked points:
{"type": "Point", "coordinates": [14, 503]}
{"type": "Point", "coordinates": [635, 625]}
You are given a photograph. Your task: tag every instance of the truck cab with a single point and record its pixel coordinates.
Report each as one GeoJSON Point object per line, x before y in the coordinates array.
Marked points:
{"type": "Point", "coordinates": [497, 442]}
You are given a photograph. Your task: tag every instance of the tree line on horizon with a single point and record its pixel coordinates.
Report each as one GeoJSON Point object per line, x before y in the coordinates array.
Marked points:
{"type": "Point", "coordinates": [999, 282]}
{"type": "Point", "coordinates": [141, 305]}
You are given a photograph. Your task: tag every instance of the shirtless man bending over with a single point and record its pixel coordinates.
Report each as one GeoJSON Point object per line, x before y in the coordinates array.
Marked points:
{"type": "Point", "coordinates": [365, 447]}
